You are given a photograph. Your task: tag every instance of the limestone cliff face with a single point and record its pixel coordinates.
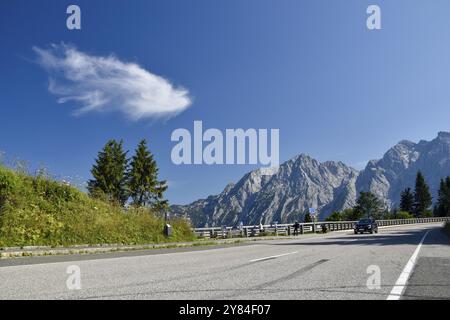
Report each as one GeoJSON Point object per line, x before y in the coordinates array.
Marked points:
{"type": "Point", "coordinates": [303, 182]}
{"type": "Point", "coordinates": [397, 169]}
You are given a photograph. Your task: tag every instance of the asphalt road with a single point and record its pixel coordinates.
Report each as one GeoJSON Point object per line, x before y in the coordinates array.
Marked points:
{"type": "Point", "coordinates": [333, 266]}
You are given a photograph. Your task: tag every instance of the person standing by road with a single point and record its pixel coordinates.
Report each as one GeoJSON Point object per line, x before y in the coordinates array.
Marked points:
{"type": "Point", "coordinates": [296, 226]}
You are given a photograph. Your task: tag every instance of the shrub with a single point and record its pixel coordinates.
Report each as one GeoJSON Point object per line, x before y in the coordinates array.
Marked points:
{"type": "Point", "coordinates": [335, 216]}
{"type": "Point", "coordinates": [403, 215]}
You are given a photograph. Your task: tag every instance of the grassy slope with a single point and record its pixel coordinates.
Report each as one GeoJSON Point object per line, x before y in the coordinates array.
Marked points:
{"type": "Point", "coordinates": [37, 211]}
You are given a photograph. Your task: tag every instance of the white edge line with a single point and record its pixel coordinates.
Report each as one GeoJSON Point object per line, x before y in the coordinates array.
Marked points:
{"type": "Point", "coordinates": [272, 257]}
{"type": "Point", "coordinates": [400, 285]}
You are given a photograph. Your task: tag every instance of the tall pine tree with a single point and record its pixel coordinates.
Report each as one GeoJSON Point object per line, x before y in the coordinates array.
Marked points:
{"type": "Point", "coordinates": [368, 205]}
{"type": "Point", "coordinates": [407, 201]}
{"type": "Point", "coordinates": [422, 196]}
{"type": "Point", "coordinates": [443, 203]}
{"type": "Point", "coordinates": [109, 173]}
{"type": "Point", "coordinates": [447, 197]}
{"type": "Point", "coordinates": [143, 184]}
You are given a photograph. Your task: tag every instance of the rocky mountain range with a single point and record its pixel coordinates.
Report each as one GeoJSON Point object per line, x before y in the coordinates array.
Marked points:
{"type": "Point", "coordinates": [303, 182]}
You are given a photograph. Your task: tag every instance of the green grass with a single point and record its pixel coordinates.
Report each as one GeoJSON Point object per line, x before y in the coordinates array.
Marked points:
{"type": "Point", "coordinates": [39, 211]}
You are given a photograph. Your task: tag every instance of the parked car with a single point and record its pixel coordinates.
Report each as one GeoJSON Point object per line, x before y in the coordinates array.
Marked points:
{"type": "Point", "coordinates": [366, 225]}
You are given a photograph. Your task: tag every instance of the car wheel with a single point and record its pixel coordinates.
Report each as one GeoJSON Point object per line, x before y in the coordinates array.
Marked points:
{"type": "Point", "coordinates": [371, 231]}
{"type": "Point", "coordinates": [356, 232]}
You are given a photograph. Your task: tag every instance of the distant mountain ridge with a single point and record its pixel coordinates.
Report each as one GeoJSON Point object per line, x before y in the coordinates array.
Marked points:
{"type": "Point", "coordinates": [303, 182]}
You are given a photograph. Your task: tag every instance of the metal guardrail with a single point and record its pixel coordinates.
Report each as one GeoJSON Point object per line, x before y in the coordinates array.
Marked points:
{"type": "Point", "coordinates": [288, 229]}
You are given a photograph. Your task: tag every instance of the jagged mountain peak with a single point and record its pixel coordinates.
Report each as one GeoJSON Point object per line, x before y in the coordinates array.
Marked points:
{"type": "Point", "coordinates": [444, 137]}
{"type": "Point", "coordinates": [303, 182]}
{"type": "Point", "coordinates": [397, 169]}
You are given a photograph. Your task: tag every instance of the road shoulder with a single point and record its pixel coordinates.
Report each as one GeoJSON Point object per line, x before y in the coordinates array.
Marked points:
{"type": "Point", "coordinates": [430, 279]}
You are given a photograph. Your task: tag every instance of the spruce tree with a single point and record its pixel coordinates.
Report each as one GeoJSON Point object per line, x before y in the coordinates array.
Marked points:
{"type": "Point", "coordinates": [407, 201]}
{"type": "Point", "coordinates": [143, 184]}
{"type": "Point", "coordinates": [447, 197]}
{"type": "Point", "coordinates": [368, 205]}
{"type": "Point", "coordinates": [422, 196]}
{"type": "Point", "coordinates": [109, 173]}
{"type": "Point", "coordinates": [442, 208]}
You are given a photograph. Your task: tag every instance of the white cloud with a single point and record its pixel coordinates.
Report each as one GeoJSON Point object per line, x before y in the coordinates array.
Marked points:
{"type": "Point", "coordinates": [99, 83]}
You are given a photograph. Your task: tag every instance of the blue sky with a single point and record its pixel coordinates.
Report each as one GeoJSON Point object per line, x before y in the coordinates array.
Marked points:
{"type": "Point", "coordinates": [336, 90]}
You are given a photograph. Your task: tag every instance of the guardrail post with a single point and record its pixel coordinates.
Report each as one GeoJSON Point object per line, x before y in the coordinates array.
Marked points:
{"type": "Point", "coordinates": [288, 230]}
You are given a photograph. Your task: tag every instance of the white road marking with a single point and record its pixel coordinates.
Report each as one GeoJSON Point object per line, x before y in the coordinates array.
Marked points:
{"type": "Point", "coordinates": [273, 257]}
{"type": "Point", "coordinates": [400, 285]}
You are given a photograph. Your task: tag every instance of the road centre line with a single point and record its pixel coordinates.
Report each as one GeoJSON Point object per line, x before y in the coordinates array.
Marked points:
{"type": "Point", "coordinates": [273, 257]}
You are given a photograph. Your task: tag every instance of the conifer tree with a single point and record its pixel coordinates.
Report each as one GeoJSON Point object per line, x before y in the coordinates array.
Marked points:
{"type": "Point", "coordinates": [407, 201]}
{"type": "Point", "coordinates": [442, 208]}
{"type": "Point", "coordinates": [368, 205]}
{"type": "Point", "coordinates": [143, 184]}
{"type": "Point", "coordinates": [109, 173]}
{"type": "Point", "coordinates": [422, 196]}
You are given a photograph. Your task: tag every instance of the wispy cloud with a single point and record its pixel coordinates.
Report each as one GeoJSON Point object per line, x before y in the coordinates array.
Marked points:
{"type": "Point", "coordinates": [99, 83]}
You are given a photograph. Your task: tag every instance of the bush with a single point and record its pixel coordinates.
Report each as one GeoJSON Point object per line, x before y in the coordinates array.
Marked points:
{"type": "Point", "coordinates": [427, 214]}
{"type": "Point", "coordinates": [335, 216]}
{"type": "Point", "coordinates": [38, 211]}
{"type": "Point", "coordinates": [403, 215]}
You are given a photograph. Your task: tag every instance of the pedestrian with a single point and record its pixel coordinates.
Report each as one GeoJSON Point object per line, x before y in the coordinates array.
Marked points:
{"type": "Point", "coordinates": [296, 226]}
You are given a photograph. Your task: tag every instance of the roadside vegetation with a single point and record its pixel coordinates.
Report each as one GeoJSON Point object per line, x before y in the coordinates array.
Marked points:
{"type": "Point", "coordinates": [123, 207]}
{"type": "Point", "coordinates": [413, 204]}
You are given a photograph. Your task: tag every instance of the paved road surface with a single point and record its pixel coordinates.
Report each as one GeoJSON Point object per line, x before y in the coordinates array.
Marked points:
{"type": "Point", "coordinates": [333, 266]}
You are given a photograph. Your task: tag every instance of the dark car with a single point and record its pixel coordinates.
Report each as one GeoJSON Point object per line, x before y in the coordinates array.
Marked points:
{"type": "Point", "coordinates": [366, 225]}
